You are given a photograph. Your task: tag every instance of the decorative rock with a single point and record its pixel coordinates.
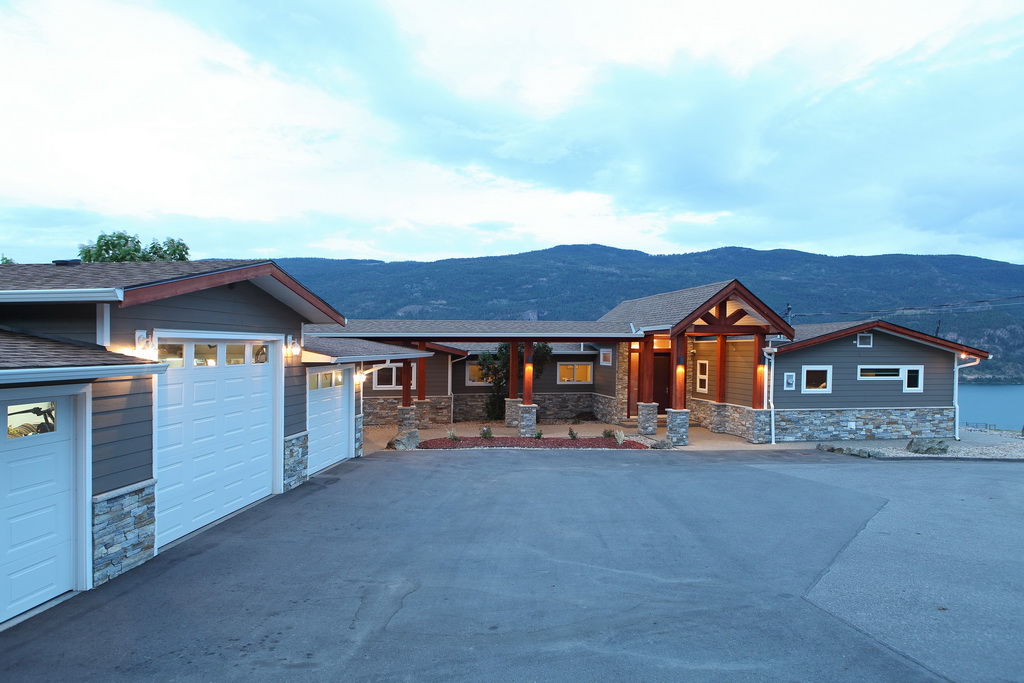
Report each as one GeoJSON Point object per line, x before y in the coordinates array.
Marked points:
{"type": "Point", "coordinates": [527, 420]}
{"type": "Point", "coordinates": [405, 441]}
{"type": "Point", "coordinates": [512, 411]}
{"type": "Point", "coordinates": [647, 419]}
{"type": "Point", "coordinates": [662, 445]}
{"type": "Point", "coordinates": [678, 427]}
{"type": "Point", "coordinates": [928, 446]}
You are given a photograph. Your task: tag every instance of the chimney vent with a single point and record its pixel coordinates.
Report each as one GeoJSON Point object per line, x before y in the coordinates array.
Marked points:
{"type": "Point", "coordinates": [67, 262]}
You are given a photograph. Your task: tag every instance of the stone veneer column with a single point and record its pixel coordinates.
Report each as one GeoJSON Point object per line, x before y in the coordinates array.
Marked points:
{"type": "Point", "coordinates": [406, 418]}
{"type": "Point", "coordinates": [512, 411]}
{"type": "Point", "coordinates": [123, 529]}
{"type": "Point", "coordinates": [528, 420]}
{"type": "Point", "coordinates": [357, 449]}
{"type": "Point", "coordinates": [296, 460]}
{"type": "Point", "coordinates": [421, 412]}
{"type": "Point", "coordinates": [647, 419]}
{"type": "Point", "coordinates": [678, 427]}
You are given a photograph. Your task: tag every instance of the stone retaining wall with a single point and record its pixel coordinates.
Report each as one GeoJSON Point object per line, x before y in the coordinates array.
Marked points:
{"type": "Point", "coordinates": [296, 460]}
{"type": "Point", "coordinates": [727, 418]}
{"type": "Point", "coordinates": [123, 530]}
{"type": "Point", "coordinates": [469, 408]}
{"type": "Point", "coordinates": [606, 408]}
{"type": "Point", "coordinates": [562, 407]}
{"type": "Point", "coordinates": [433, 411]}
{"type": "Point", "coordinates": [863, 423]}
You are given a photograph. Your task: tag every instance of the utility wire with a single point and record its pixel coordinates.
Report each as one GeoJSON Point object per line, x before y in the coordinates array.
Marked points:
{"type": "Point", "coordinates": [936, 307]}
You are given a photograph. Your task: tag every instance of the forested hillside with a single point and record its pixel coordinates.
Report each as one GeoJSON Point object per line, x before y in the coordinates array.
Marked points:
{"type": "Point", "coordinates": [581, 282]}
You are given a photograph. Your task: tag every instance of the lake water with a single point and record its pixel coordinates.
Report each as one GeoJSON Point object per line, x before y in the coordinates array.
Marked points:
{"type": "Point", "coordinates": [998, 404]}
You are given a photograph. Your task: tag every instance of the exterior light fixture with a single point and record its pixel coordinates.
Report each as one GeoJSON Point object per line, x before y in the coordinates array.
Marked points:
{"type": "Point", "coordinates": [291, 346]}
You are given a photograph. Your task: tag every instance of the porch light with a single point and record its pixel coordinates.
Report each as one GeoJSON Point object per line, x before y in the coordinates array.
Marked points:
{"type": "Point", "coordinates": [144, 346]}
{"type": "Point", "coordinates": [360, 377]}
{"type": "Point", "coordinates": [291, 346]}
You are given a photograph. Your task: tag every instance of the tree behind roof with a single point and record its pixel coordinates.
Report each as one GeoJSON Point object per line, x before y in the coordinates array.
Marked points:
{"type": "Point", "coordinates": [120, 246]}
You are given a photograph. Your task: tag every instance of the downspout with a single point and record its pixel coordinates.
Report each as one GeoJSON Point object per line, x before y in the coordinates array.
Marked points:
{"type": "Point", "coordinates": [956, 391]}
{"type": "Point", "coordinates": [769, 355]}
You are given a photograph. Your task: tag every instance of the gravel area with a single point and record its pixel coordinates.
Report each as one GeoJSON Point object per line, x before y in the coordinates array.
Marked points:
{"type": "Point", "coordinates": [529, 442]}
{"type": "Point", "coordinates": [973, 444]}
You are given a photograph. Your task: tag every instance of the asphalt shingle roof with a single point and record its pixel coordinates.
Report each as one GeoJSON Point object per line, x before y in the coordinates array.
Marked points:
{"type": "Point", "coordinates": [23, 351]}
{"type": "Point", "coordinates": [810, 331]}
{"type": "Point", "coordinates": [342, 347]}
{"type": "Point", "coordinates": [428, 328]}
{"type": "Point", "coordinates": [665, 309]}
{"type": "Point", "coordinates": [43, 276]}
{"type": "Point", "coordinates": [557, 347]}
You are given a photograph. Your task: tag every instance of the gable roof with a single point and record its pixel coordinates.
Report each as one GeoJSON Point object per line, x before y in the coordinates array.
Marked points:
{"type": "Point", "coordinates": [663, 310]}
{"type": "Point", "coordinates": [140, 282]}
{"type": "Point", "coordinates": [819, 333]}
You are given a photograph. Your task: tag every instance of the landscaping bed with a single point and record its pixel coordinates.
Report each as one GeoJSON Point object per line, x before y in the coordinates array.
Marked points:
{"type": "Point", "coordinates": [529, 442]}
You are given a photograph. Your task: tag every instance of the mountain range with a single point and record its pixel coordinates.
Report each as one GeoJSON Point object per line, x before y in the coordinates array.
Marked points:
{"type": "Point", "coordinates": [582, 282]}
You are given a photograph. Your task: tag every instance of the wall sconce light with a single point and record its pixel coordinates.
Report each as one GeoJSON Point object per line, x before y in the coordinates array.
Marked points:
{"type": "Point", "coordinates": [360, 377]}
{"type": "Point", "coordinates": [144, 345]}
{"type": "Point", "coordinates": [291, 346]}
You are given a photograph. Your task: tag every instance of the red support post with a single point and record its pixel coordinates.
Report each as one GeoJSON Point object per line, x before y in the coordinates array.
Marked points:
{"type": "Point", "coordinates": [513, 369]}
{"type": "Point", "coordinates": [647, 370]}
{"type": "Point", "coordinates": [720, 388]}
{"type": "Point", "coordinates": [527, 373]}
{"type": "Point", "coordinates": [421, 374]}
{"type": "Point", "coordinates": [406, 382]}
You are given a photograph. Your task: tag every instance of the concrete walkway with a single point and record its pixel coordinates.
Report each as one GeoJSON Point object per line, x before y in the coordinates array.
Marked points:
{"type": "Point", "coordinates": [519, 565]}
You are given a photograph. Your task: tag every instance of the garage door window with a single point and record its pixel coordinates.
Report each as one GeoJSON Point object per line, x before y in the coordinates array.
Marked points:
{"type": "Point", "coordinates": [172, 354]}
{"type": "Point", "coordinates": [259, 353]}
{"type": "Point", "coordinates": [205, 355]}
{"type": "Point", "coordinates": [30, 419]}
{"type": "Point", "coordinates": [234, 354]}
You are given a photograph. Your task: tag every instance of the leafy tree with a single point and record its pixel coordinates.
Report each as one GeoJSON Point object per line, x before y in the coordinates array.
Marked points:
{"type": "Point", "coordinates": [494, 369]}
{"type": "Point", "coordinates": [120, 246]}
{"type": "Point", "coordinates": [4, 260]}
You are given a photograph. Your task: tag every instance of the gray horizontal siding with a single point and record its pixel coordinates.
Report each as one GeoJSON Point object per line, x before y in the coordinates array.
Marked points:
{"type": "Point", "coordinates": [437, 378]}
{"type": "Point", "coordinates": [547, 382]}
{"type": "Point", "coordinates": [74, 321]}
{"type": "Point", "coordinates": [294, 397]}
{"type": "Point", "coordinates": [850, 392]}
{"type": "Point", "coordinates": [604, 375]}
{"type": "Point", "coordinates": [122, 432]}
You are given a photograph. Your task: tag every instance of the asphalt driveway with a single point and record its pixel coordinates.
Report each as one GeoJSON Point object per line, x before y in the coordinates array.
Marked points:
{"type": "Point", "coordinates": [574, 566]}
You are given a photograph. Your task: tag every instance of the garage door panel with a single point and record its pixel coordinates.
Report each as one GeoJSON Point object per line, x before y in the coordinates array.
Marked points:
{"type": "Point", "coordinates": [329, 418]}
{"type": "Point", "coordinates": [204, 391]}
{"type": "Point", "coordinates": [35, 579]}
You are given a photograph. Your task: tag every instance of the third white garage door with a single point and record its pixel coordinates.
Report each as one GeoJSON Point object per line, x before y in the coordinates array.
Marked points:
{"type": "Point", "coordinates": [215, 413]}
{"type": "Point", "coordinates": [330, 417]}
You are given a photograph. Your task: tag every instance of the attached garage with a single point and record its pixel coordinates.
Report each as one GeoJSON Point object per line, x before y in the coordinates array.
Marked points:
{"type": "Point", "coordinates": [330, 415]}
{"type": "Point", "coordinates": [215, 421]}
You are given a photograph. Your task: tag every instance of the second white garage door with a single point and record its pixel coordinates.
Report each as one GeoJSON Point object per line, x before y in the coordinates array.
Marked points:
{"type": "Point", "coordinates": [329, 411]}
{"type": "Point", "coordinates": [214, 432]}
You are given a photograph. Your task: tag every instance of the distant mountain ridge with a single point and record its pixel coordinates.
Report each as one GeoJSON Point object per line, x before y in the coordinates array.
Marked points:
{"type": "Point", "coordinates": [582, 282]}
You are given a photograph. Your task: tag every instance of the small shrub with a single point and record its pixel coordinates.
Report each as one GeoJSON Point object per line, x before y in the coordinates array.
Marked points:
{"type": "Point", "coordinates": [453, 436]}
{"type": "Point", "coordinates": [572, 434]}
{"type": "Point", "coordinates": [539, 434]}
{"type": "Point", "coordinates": [486, 433]}
{"type": "Point", "coordinates": [608, 433]}
{"type": "Point", "coordinates": [620, 436]}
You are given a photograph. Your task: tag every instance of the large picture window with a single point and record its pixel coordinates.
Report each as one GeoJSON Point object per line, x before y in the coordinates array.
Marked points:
{"type": "Point", "coordinates": [575, 373]}
{"type": "Point", "coordinates": [816, 379]}
{"type": "Point", "coordinates": [912, 376]}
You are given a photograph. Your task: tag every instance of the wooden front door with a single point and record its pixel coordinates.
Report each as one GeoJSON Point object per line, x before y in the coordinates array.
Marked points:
{"type": "Point", "coordinates": [662, 380]}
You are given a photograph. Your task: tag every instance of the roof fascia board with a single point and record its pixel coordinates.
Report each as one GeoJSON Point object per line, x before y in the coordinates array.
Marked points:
{"type": "Point", "coordinates": [895, 330]}
{"type": "Point", "coordinates": [735, 287]}
{"type": "Point", "coordinates": [286, 290]}
{"type": "Point", "coordinates": [13, 296]}
{"type": "Point", "coordinates": [26, 375]}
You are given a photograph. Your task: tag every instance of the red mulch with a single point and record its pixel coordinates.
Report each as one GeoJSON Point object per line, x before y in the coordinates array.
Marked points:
{"type": "Point", "coordinates": [529, 442]}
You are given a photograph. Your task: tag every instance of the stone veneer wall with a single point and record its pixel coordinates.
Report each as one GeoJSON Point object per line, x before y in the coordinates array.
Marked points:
{"type": "Point", "coordinates": [868, 423]}
{"type": "Point", "coordinates": [123, 530]}
{"type": "Point", "coordinates": [726, 418]}
{"type": "Point", "coordinates": [469, 408]}
{"type": "Point", "coordinates": [296, 460]}
{"type": "Point", "coordinates": [357, 450]}
{"type": "Point", "coordinates": [438, 411]}
{"type": "Point", "coordinates": [562, 407]}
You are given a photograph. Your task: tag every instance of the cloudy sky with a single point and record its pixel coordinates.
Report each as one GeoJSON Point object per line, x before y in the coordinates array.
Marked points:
{"type": "Point", "coordinates": [407, 129]}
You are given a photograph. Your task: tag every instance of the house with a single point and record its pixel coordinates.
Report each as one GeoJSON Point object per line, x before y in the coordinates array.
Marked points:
{"type": "Point", "coordinates": [147, 400]}
{"type": "Point", "coordinates": [714, 356]}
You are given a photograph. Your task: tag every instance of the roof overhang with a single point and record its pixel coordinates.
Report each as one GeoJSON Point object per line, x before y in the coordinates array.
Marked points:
{"type": "Point", "coordinates": [314, 357]}
{"type": "Point", "coordinates": [63, 374]}
{"type": "Point", "coordinates": [28, 296]}
{"type": "Point", "coordinates": [893, 329]}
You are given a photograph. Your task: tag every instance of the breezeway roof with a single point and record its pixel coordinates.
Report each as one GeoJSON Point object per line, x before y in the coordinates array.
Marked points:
{"type": "Point", "coordinates": [440, 330]}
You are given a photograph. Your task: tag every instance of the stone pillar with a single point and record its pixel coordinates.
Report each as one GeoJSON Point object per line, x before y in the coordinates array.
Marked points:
{"type": "Point", "coordinates": [357, 437]}
{"type": "Point", "coordinates": [647, 419]}
{"type": "Point", "coordinates": [296, 460]}
{"type": "Point", "coordinates": [406, 418]}
{"type": "Point", "coordinates": [512, 411]}
{"type": "Point", "coordinates": [528, 420]}
{"type": "Point", "coordinates": [123, 530]}
{"type": "Point", "coordinates": [421, 410]}
{"type": "Point", "coordinates": [678, 427]}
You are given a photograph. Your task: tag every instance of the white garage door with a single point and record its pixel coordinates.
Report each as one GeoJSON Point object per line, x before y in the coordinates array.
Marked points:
{"type": "Point", "coordinates": [214, 432]}
{"type": "Point", "coordinates": [329, 418]}
{"type": "Point", "coordinates": [36, 503]}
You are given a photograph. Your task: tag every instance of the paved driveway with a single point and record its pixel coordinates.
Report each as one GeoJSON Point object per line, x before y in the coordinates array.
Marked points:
{"type": "Point", "coordinates": [576, 566]}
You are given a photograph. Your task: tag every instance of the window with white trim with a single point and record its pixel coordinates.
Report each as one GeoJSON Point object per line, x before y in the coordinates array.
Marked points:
{"type": "Point", "coordinates": [865, 340]}
{"type": "Point", "coordinates": [474, 378]}
{"type": "Point", "coordinates": [912, 376]}
{"type": "Point", "coordinates": [816, 379]}
{"type": "Point", "coordinates": [702, 377]}
{"type": "Point", "coordinates": [390, 377]}
{"type": "Point", "coordinates": [606, 356]}
{"type": "Point", "coordinates": [575, 373]}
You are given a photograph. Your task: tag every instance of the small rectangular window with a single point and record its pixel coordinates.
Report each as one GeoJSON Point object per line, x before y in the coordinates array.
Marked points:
{"type": "Point", "coordinates": [234, 354]}
{"type": "Point", "coordinates": [702, 376]}
{"type": "Point", "coordinates": [474, 376]}
{"type": "Point", "coordinates": [327, 380]}
{"type": "Point", "coordinates": [339, 378]}
{"type": "Point", "coordinates": [260, 353]}
{"type": "Point", "coordinates": [912, 376]}
{"type": "Point", "coordinates": [913, 381]}
{"type": "Point", "coordinates": [817, 379]}
{"type": "Point", "coordinates": [575, 373]}
{"type": "Point", "coordinates": [606, 356]}
{"type": "Point", "coordinates": [865, 341]}
{"type": "Point", "coordinates": [880, 373]}
{"type": "Point", "coordinates": [205, 355]}
{"type": "Point", "coordinates": [29, 419]}
{"type": "Point", "coordinates": [314, 382]}
{"type": "Point", "coordinates": [391, 377]}
{"type": "Point", "coordinates": [172, 354]}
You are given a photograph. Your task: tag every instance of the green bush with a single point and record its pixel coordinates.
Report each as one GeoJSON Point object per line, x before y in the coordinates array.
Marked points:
{"type": "Point", "coordinates": [486, 433]}
{"type": "Point", "coordinates": [572, 434]}
{"type": "Point", "coordinates": [539, 434]}
{"type": "Point", "coordinates": [608, 434]}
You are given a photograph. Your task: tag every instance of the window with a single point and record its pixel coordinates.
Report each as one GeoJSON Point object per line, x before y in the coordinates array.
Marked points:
{"type": "Point", "coordinates": [259, 353]}
{"type": "Point", "coordinates": [817, 379]}
{"type": "Point", "coordinates": [912, 376]}
{"type": "Point", "coordinates": [390, 377]}
{"type": "Point", "coordinates": [314, 382]}
{"type": "Point", "coordinates": [575, 373]}
{"type": "Point", "coordinates": [172, 354]}
{"type": "Point", "coordinates": [473, 376]}
{"type": "Point", "coordinates": [789, 381]}
{"type": "Point", "coordinates": [234, 354]}
{"type": "Point", "coordinates": [29, 419]}
{"type": "Point", "coordinates": [865, 341]}
{"type": "Point", "coordinates": [702, 376]}
{"type": "Point", "coordinates": [205, 355]}
{"type": "Point", "coordinates": [606, 356]}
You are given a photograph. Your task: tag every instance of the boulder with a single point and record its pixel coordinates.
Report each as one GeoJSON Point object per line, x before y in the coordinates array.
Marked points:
{"type": "Point", "coordinates": [928, 446]}
{"type": "Point", "coordinates": [663, 444]}
{"type": "Point", "coordinates": [405, 441]}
